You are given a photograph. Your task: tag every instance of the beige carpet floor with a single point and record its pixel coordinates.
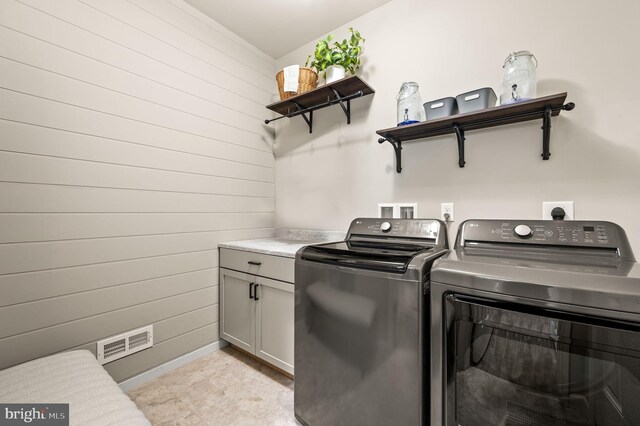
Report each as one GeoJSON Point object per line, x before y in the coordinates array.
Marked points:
{"type": "Point", "coordinates": [224, 388]}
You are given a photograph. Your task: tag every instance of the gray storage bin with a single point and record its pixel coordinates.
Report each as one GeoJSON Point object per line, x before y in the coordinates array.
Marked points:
{"type": "Point", "coordinates": [440, 108]}
{"type": "Point", "coordinates": [476, 100]}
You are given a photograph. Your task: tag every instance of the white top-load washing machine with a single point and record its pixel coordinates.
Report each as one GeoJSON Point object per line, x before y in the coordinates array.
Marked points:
{"type": "Point", "coordinates": [536, 323]}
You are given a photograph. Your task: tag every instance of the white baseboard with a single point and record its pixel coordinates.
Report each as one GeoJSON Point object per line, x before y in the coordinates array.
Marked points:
{"type": "Point", "coordinates": [148, 375]}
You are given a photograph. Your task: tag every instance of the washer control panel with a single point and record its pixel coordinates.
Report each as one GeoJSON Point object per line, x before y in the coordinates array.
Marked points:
{"type": "Point", "coordinates": [401, 228]}
{"type": "Point", "coordinates": [542, 232]}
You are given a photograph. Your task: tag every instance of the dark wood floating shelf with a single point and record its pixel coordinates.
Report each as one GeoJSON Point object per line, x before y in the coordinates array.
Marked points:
{"type": "Point", "coordinates": [540, 108]}
{"type": "Point", "coordinates": [339, 92]}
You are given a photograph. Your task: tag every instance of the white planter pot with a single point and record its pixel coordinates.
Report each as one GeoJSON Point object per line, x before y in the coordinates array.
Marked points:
{"type": "Point", "coordinates": [335, 72]}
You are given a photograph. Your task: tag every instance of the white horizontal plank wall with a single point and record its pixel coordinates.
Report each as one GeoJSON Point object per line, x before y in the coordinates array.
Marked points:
{"type": "Point", "coordinates": [131, 143]}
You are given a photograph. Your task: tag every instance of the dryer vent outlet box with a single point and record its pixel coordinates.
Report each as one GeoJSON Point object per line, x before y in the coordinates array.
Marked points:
{"type": "Point", "coordinates": [398, 210]}
{"type": "Point", "coordinates": [116, 347]}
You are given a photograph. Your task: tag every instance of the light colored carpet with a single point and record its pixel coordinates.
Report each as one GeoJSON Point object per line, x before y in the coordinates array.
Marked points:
{"type": "Point", "coordinates": [224, 388]}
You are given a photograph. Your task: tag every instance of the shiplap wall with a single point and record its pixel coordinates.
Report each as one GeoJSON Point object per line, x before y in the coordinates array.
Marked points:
{"type": "Point", "coordinates": [131, 143]}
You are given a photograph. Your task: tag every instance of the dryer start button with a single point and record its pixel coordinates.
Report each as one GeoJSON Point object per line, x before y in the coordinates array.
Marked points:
{"type": "Point", "coordinates": [523, 231]}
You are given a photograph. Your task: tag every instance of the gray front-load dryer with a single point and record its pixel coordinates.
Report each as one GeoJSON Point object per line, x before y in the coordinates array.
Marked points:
{"type": "Point", "coordinates": [536, 323]}
{"type": "Point", "coordinates": [361, 324]}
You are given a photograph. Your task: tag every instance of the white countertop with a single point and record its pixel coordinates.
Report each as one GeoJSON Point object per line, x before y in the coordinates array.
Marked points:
{"type": "Point", "coordinates": [286, 242]}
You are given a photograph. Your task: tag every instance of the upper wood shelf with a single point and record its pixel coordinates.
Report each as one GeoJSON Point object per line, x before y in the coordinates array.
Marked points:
{"type": "Point", "coordinates": [339, 92]}
{"type": "Point", "coordinates": [540, 108]}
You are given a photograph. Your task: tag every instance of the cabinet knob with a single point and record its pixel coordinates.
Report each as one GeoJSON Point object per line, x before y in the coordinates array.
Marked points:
{"type": "Point", "coordinates": [251, 262]}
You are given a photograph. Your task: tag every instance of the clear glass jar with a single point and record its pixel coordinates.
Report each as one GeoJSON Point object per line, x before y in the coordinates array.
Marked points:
{"type": "Point", "coordinates": [518, 77]}
{"type": "Point", "coordinates": [409, 104]}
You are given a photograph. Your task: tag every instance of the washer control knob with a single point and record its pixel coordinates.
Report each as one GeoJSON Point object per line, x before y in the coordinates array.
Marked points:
{"type": "Point", "coordinates": [385, 227]}
{"type": "Point", "coordinates": [523, 231]}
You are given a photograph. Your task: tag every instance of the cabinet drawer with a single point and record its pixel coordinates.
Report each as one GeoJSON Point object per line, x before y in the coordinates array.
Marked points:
{"type": "Point", "coordinates": [265, 265]}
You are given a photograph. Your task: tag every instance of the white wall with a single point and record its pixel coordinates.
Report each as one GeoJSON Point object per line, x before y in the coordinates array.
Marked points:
{"type": "Point", "coordinates": [131, 143]}
{"type": "Point", "coordinates": [588, 49]}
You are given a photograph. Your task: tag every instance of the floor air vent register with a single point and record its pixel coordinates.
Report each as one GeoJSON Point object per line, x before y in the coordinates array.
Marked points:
{"type": "Point", "coordinates": [116, 347]}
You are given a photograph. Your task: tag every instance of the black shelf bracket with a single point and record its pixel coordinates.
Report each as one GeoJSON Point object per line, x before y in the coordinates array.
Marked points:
{"type": "Point", "coordinates": [546, 127]}
{"type": "Point", "coordinates": [546, 133]}
{"type": "Point", "coordinates": [344, 101]}
{"type": "Point", "coordinates": [397, 147]}
{"type": "Point", "coordinates": [347, 108]}
{"type": "Point", "coordinates": [460, 135]}
{"type": "Point", "coordinates": [301, 111]}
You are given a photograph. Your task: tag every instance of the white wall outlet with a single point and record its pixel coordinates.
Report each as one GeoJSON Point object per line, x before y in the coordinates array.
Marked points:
{"type": "Point", "coordinates": [547, 206]}
{"type": "Point", "coordinates": [446, 208]}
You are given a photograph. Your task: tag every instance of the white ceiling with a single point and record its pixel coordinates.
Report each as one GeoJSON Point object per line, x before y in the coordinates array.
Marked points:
{"type": "Point", "coordinates": [279, 26]}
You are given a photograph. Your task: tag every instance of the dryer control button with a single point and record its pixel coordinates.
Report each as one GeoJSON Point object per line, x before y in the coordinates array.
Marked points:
{"type": "Point", "coordinates": [523, 231]}
{"type": "Point", "coordinates": [385, 227]}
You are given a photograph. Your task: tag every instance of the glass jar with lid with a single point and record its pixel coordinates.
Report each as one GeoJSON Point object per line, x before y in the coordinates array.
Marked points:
{"type": "Point", "coordinates": [409, 104]}
{"type": "Point", "coordinates": [518, 77]}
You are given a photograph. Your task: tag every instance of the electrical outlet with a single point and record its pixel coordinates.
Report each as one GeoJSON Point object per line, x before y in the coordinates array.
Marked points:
{"type": "Point", "coordinates": [547, 206]}
{"type": "Point", "coordinates": [444, 209]}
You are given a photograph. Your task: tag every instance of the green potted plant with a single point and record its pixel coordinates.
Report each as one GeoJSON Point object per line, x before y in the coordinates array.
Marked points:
{"type": "Point", "coordinates": [333, 60]}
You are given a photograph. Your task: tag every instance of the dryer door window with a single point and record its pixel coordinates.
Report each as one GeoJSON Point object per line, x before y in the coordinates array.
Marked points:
{"type": "Point", "coordinates": [510, 364]}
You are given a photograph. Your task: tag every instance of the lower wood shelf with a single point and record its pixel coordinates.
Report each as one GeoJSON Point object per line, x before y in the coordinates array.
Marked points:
{"type": "Point", "coordinates": [540, 108]}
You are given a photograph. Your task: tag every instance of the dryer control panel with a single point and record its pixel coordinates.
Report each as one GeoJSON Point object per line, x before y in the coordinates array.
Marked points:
{"type": "Point", "coordinates": [584, 234]}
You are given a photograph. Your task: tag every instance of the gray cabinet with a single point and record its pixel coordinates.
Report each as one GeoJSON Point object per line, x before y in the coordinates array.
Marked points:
{"type": "Point", "coordinates": [274, 323]}
{"type": "Point", "coordinates": [237, 309]}
{"type": "Point", "coordinates": [257, 312]}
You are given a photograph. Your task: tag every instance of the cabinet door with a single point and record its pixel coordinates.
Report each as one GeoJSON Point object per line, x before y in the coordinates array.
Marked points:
{"type": "Point", "coordinates": [237, 309]}
{"type": "Point", "coordinates": [274, 322]}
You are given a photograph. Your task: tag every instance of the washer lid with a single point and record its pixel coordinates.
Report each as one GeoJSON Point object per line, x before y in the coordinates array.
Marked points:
{"type": "Point", "coordinates": [377, 255]}
{"type": "Point", "coordinates": [601, 282]}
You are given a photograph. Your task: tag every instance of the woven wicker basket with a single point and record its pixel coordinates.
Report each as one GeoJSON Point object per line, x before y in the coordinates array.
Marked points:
{"type": "Point", "coordinates": [308, 81]}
